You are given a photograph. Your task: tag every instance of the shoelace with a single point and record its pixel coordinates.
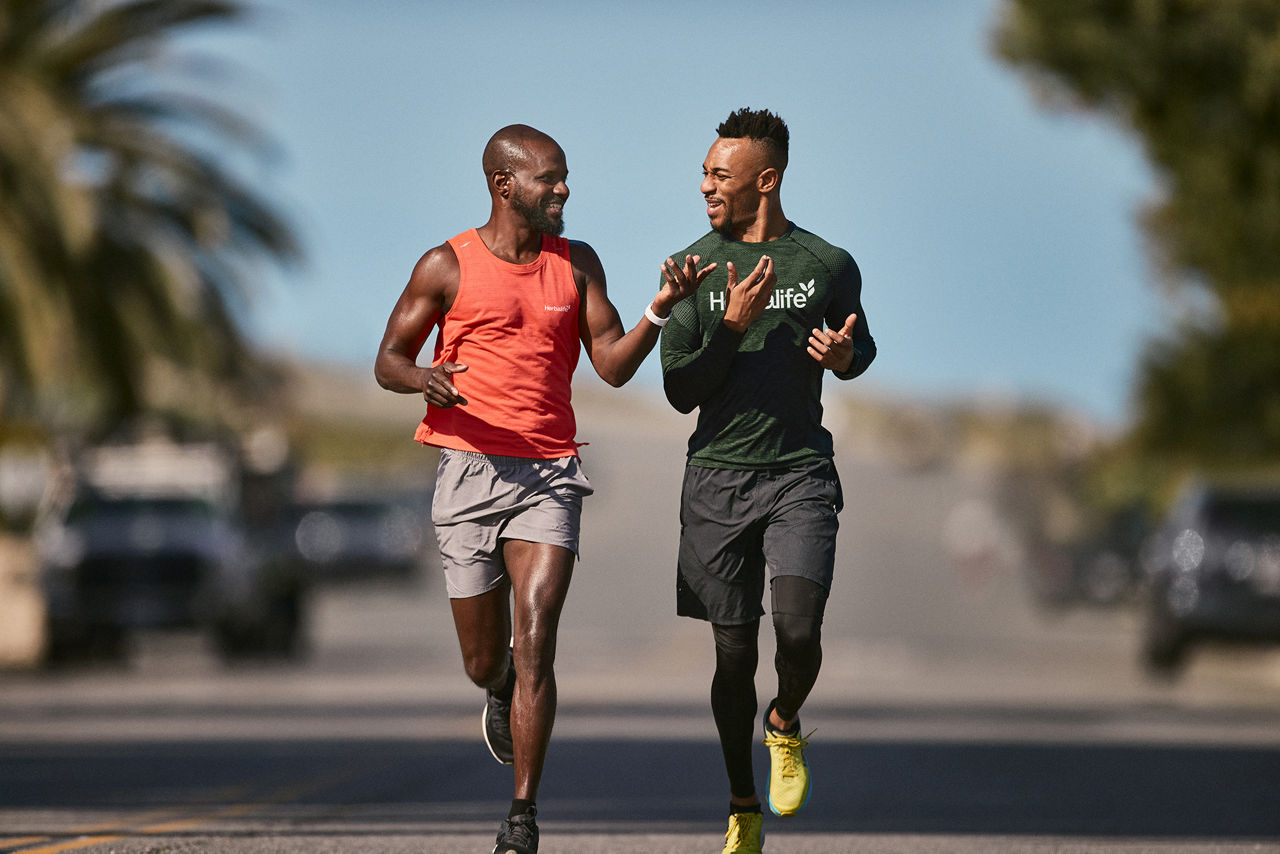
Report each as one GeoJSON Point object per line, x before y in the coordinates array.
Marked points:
{"type": "Point", "coordinates": [792, 744]}
{"type": "Point", "coordinates": [519, 830]}
{"type": "Point", "coordinates": [738, 824]}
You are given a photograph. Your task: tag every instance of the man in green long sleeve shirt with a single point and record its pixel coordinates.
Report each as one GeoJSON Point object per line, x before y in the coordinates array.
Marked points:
{"type": "Point", "coordinates": [760, 491]}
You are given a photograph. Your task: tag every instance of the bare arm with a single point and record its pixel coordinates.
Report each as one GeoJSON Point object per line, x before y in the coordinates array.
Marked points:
{"type": "Point", "coordinates": [429, 293]}
{"type": "Point", "coordinates": [616, 354]}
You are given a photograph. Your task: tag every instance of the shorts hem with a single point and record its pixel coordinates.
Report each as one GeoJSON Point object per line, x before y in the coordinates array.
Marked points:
{"type": "Point", "coordinates": [573, 547]}
{"type": "Point", "coordinates": [454, 593]}
{"type": "Point", "coordinates": [706, 618]}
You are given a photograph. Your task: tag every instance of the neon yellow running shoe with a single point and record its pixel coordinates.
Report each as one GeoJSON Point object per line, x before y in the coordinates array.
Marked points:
{"type": "Point", "coordinates": [788, 772]}
{"type": "Point", "coordinates": [746, 834]}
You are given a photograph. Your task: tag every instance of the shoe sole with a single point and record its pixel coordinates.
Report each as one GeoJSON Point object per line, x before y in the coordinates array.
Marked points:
{"type": "Point", "coordinates": [484, 729]}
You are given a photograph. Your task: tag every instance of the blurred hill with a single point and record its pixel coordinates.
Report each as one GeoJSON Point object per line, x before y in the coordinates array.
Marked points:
{"type": "Point", "coordinates": [342, 417]}
{"type": "Point", "coordinates": [345, 433]}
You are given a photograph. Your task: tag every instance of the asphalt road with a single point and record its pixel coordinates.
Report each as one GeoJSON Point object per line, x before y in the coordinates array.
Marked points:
{"type": "Point", "coordinates": [951, 716]}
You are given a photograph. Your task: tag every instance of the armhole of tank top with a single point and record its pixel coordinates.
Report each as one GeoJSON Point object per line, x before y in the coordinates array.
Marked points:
{"type": "Point", "coordinates": [457, 295]}
{"type": "Point", "coordinates": [578, 290]}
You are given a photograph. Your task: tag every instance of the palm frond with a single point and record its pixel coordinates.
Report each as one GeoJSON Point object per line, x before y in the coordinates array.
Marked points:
{"type": "Point", "coordinates": [125, 236]}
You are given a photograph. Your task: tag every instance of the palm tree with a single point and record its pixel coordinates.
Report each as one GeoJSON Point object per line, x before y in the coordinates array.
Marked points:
{"type": "Point", "coordinates": [126, 241]}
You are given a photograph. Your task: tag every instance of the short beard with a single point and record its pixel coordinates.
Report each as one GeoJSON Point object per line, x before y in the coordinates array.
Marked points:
{"type": "Point", "coordinates": [725, 228]}
{"type": "Point", "coordinates": [536, 216]}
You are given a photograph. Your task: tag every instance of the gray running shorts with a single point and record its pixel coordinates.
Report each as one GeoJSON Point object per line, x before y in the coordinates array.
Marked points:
{"type": "Point", "coordinates": [736, 526]}
{"type": "Point", "coordinates": [481, 499]}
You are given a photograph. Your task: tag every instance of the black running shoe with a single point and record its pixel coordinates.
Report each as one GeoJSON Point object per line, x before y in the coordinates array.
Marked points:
{"type": "Point", "coordinates": [518, 835]}
{"type": "Point", "coordinates": [496, 721]}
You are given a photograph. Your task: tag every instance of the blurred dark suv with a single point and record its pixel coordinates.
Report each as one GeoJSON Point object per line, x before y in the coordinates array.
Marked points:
{"type": "Point", "coordinates": [1214, 572]}
{"type": "Point", "coordinates": [127, 548]}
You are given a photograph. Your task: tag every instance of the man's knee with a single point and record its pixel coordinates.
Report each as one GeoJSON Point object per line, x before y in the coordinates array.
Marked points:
{"type": "Point", "coordinates": [487, 668]}
{"type": "Point", "coordinates": [535, 655]}
{"type": "Point", "coordinates": [798, 636]}
{"type": "Point", "coordinates": [736, 648]}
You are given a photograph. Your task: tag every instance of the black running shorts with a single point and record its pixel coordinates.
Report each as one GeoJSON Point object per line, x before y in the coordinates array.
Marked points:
{"type": "Point", "coordinates": [735, 524]}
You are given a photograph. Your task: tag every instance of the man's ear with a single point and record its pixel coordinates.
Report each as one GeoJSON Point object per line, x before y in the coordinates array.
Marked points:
{"type": "Point", "coordinates": [500, 183]}
{"type": "Point", "coordinates": [768, 180]}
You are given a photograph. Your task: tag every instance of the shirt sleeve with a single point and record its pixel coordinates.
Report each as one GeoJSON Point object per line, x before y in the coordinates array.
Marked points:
{"type": "Point", "coordinates": [692, 371]}
{"type": "Point", "coordinates": [847, 301]}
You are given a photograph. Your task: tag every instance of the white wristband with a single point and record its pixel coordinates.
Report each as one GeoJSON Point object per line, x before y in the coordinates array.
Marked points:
{"type": "Point", "coordinates": [653, 318]}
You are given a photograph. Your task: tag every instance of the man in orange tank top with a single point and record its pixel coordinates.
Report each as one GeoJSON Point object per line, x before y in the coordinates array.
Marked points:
{"type": "Point", "coordinates": [512, 300]}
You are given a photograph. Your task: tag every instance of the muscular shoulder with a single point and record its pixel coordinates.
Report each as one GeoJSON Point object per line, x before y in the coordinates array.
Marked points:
{"type": "Point", "coordinates": [437, 271]}
{"type": "Point", "coordinates": [438, 261]}
{"type": "Point", "coordinates": [585, 262]}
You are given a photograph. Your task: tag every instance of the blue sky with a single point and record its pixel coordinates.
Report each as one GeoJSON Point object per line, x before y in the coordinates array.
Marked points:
{"type": "Point", "coordinates": [998, 243]}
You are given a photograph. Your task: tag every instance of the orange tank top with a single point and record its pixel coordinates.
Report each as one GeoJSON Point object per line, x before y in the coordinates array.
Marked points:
{"type": "Point", "coordinates": [515, 327]}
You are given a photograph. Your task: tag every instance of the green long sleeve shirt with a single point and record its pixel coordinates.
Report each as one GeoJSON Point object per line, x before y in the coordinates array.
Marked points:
{"type": "Point", "coordinates": [759, 393]}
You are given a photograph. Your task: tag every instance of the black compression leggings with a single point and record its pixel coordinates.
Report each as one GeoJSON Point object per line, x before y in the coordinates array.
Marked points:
{"type": "Point", "coordinates": [798, 605]}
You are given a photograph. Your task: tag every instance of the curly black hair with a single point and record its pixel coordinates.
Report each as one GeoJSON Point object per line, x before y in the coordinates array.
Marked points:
{"type": "Point", "coordinates": [761, 126]}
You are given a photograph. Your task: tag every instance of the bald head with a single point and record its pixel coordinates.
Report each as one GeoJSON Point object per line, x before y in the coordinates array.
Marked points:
{"type": "Point", "coordinates": [509, 148]}
{"type": "Point", "coordinates": [526, 172]}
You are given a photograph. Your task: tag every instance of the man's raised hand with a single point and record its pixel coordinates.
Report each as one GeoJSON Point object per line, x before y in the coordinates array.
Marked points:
{"type": "Point", "coordinates": [745, 301]}
{"type": "Point", "coordinates": [679, 282]}
{"type": "Point", "coordinates": [833, 350]}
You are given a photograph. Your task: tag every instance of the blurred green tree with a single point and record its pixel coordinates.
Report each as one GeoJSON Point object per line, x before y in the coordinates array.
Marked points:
{"type": "Point", "coordinates": [127, 244]}
{"type": "Point", "coordinates": [1198, 82]}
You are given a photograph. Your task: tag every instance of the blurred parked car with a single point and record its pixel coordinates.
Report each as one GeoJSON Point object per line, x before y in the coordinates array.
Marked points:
{"type": "Point", "coordinates": [152, 537]}
{"type": "Point", "coordinates": [1214, 573]}
{"type": "Point", "coordinates": [362, 537]}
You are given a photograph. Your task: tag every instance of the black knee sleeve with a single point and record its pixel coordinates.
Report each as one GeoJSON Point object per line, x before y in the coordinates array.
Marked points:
{"type": "Point", "coordinates": [798, 608]}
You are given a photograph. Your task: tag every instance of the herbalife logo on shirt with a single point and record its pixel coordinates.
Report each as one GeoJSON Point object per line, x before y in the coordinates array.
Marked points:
{"type": "Point", "coordinates": [796, 296]}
